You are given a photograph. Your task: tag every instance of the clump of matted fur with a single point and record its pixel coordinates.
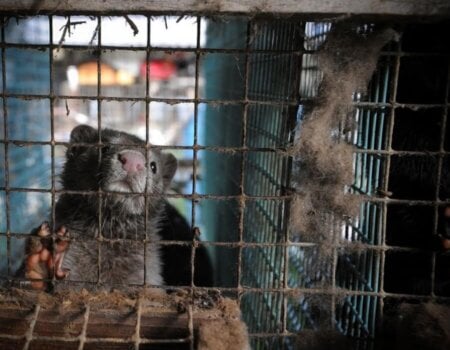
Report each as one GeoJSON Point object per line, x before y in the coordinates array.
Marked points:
{"type": "Point", "coordinates": [223, 335]}
{"type": "Point", "coordinates": [226, 332]}
{"type": "Point", "coordinates": [323, 161]}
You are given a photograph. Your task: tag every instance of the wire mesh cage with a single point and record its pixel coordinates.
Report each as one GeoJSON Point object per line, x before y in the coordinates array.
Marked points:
{"type": "Point", "coordinates": [228, 96]}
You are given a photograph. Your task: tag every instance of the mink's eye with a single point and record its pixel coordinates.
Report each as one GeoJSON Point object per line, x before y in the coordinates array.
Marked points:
{"type": "Point", "coordinates": [153, 167]}
{"type": "Point", "coordinates": [106, 149]}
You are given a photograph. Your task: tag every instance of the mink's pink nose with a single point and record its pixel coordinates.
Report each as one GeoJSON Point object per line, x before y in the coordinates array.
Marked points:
{"type": "Point", "coordinates": [132, 161]}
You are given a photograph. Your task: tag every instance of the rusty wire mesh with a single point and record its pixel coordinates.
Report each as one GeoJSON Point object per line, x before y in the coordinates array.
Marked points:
{"type": "Point", "coordinates": [258, 77]}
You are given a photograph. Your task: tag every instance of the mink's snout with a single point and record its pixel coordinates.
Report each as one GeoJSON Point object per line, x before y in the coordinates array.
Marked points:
{"type": "Point", "coordinates": [132, 161]}
{"type": "Point", "coordinates": [126, 172]}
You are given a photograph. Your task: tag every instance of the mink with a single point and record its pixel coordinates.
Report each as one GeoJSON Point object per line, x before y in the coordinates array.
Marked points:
{"type": "Point", "coordinates": [104, 209]}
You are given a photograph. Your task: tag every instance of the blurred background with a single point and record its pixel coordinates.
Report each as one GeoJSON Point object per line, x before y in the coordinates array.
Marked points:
{"type": "Point", "coordinates": [73, 65]}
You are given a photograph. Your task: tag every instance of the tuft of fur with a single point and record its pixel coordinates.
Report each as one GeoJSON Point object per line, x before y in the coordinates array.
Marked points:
{"type": "Point", "coordinates": [323, 161]}
{"type": "Point", "coordinates": [226, 332]}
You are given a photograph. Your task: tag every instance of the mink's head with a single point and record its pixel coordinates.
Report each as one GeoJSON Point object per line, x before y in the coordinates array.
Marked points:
{"type": "Point", "coordinates": [120, 165]}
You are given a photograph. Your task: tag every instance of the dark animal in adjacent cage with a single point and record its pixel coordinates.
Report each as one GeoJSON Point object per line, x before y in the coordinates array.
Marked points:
{"type": "Point", "coordinates": [418, 227]}
{"type": "Point", "coordinates": [107, 232]}
{"type": "Point", "coordinates": [419, 172]}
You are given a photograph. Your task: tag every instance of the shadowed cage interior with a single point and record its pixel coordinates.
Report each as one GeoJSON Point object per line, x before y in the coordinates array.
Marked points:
{"type": "Point", "coordinates": [249, 83]}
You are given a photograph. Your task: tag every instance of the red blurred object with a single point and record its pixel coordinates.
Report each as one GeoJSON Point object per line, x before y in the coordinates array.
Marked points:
{"type": "Point", "coordinates": [159, 69]}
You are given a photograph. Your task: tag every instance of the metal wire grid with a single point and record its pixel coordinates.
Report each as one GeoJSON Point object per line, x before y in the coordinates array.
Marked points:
{"type": "Point", "coordinates": [81, 341]}
{"type": "Point", "coordinates": [270, 80]}
{"type": "Point", "coordinates": [264, 297]}
{"type": "Point", "coordinates": [436, 198]}
{"type": "Point", "coordinates": [252, 109]}
{"type": "Point", "coordinates": [364, 272]}
{"type": "Point", "coordinates": [361, 271]}
{"type": "Point", "coordinates": [360, 315]}
{"type": "Point", "coordinates": [276, 78]}
{"type": "Point", "coordinates": [306, 267]}
{"type": "Point", "coordinates": [100, 98]}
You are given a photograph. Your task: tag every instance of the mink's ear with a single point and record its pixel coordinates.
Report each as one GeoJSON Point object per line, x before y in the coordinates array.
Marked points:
{"type": "Point", "coordinates": [81, 134]}
{"type": "Point", "coordinates": [169, 167]}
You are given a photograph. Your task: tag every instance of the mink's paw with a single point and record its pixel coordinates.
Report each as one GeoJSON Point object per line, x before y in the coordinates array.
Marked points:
{"type": "Point", "coordinates": [43, 258]}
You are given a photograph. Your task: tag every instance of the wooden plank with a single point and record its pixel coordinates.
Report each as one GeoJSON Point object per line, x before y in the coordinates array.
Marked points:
{"type": "Point", "coordinates": [439, 8]}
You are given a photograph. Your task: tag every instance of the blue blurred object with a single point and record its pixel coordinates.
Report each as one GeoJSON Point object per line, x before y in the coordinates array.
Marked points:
{"type": "Point", "coordinates": [27, 71]}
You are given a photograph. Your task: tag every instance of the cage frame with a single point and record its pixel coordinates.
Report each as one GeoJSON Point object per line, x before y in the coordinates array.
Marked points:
{"type": "Point", "coordinates": [439, 8]}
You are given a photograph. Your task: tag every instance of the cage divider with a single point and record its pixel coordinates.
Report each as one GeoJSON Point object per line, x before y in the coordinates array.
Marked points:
{"type": "Point", "coordinates": [147, 140]}
{"type": "Point", "coordinates": [441, 156]}
{"type": "Point", "coordinates": [243, 137]}
{"type": "Point", "coordinates": [52, 139]}
{"type": "Point", "coordinates": [284, 206]}
{"type": "Point", "coordinates": [194, 199]}
{"type": "Point", "coordinates": [385, 181]}
{"type": "Point", "coordinates": [98, 33]}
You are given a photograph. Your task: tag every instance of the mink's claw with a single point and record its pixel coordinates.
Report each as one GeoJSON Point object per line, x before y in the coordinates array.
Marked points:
{"type": "Point", "coordinates": [44, 258]}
